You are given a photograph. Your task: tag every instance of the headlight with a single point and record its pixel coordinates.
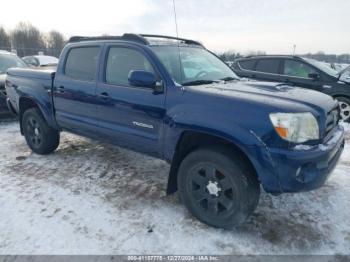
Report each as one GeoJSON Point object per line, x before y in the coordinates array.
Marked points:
{"type": "Point", "coordinates": [295, 127]}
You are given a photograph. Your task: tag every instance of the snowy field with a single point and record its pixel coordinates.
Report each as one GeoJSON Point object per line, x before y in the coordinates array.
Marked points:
{"type": "Point", "coordinates": [92, 198]}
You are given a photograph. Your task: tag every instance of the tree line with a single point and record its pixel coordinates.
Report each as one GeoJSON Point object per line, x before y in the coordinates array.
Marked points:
{"type": "Point", "coordinates": [25, 39]}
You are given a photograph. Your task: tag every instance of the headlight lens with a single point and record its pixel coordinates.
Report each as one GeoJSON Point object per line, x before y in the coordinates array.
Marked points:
{"type": "Point", "coordinates": [295, 127]}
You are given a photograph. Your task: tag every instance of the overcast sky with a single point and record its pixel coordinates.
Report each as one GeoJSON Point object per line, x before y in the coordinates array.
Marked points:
{"type": "Point", "coordinates": [241, 25]}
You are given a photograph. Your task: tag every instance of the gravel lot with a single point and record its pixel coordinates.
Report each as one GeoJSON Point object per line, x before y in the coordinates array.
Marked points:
{"type": "Point", "coordinates": [93, 198]}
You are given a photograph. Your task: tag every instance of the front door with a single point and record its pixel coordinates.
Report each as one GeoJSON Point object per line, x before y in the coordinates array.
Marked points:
{"type": "Point", "coordinates": [297, 73]}
{"type": "Point", "coordinates": [131, 116]}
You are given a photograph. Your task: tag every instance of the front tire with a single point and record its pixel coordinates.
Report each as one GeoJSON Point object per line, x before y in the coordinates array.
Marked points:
{"type": "Point", "coordinates": [344, 104]}
{"type": "Point", "coordinates": [41, 138]}
{"type": "Point", "coordinates": [218, 187]}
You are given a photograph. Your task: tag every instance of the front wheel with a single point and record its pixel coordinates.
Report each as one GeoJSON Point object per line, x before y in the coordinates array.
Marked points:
{"type": "Point", "coordinates": [344, 104]}
{"type": "Point", "coordinates": [41, 138]}
{"type": "Point", "coordinates": [218, 187]}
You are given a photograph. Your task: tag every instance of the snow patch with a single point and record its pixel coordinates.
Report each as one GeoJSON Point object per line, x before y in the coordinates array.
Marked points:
{"type": "Point", "coordinates": [303, 147]}
{"type": "Point", "coordinates": [93, 198]}
{"type": "Point", "coordinates": [346, 126]}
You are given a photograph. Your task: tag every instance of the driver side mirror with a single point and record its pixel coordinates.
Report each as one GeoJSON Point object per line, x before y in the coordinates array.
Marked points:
{"type": "Point", "coordinates": [314, 76]}
{"type": "Point", "coordinates": [140, 78]}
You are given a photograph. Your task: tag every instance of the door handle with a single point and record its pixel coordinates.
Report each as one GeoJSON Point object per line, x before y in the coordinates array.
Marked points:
{"type": "Point", "coordinates": [60, 89]}
{"type": "Point", "coordinates": [104, 95]}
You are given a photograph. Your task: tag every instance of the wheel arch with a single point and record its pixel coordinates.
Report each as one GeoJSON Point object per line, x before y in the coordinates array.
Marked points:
{"type": "Point", "coordinates": [191, 140]}
{"type": "Point", "coordinates": [341, 95]}
{"type": "Point", "coordinates": [27, 102]}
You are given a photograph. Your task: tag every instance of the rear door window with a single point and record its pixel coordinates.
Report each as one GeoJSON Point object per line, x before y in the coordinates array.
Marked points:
{"type": "Point", "coordinates": [247, 64]}
{"type": "Point", "coordinates": [268, 66]}
{"type": "Point", "coordinates": [82, 63]}
{"type": "Point", "coordinates": [297, 69]}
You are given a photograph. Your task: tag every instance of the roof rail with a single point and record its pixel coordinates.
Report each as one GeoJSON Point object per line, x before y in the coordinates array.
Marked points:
{"type": "Point", "coordinates": [186, 41]}
{"type": "Point", "coordinates": [251, 56]}
{"type": "Point", "coordinates": [141, 39]}
{"type": "Point", "coordinates": [127, 37]}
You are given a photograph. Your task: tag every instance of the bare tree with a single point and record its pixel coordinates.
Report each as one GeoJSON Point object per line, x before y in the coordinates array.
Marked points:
{"type": "Point", "coordinates": [27, 39]}
{"type": "Point", "coordinates": [4, 39]}
{"type": "Point", "coordinates": [55, 43]}
{"type": "Point", "coordinates": [229, 55]}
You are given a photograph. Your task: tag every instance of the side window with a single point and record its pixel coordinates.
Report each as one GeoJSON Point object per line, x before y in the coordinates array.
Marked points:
{"type": "Point", "coordinates": [268, 66]}
{"type": "Point", "coordinates": [35, 61]}
{"type": "Point", "coordinates": [121, 61]}
{"type": "Point", "coordinates": [297, 69]}
{"type": "Point", "coordinates": [247, 64]}
{"type": "Point", "coordinates": [82, 63]}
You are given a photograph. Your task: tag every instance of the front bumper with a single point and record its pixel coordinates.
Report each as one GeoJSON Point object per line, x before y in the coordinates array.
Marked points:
{"type": "Point", "coordinates": [305, 168]}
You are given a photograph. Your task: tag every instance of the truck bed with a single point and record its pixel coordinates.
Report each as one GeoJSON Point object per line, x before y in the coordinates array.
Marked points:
{"type": "Point", "coordinates": [44, 74]}
{"type": "Point", "coordinates": [27, 82]}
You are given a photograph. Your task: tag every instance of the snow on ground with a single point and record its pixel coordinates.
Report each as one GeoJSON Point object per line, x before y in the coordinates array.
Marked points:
{"type": "Point", "coordinates": [93, 198]}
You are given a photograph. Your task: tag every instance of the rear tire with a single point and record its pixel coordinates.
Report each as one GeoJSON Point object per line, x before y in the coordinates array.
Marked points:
{"type": "Point", "coordinates": [218, 187]}
{"type": "Point", "coordinates": [41, 138]}
{"type": "Point", "coordinates": [344, 104]}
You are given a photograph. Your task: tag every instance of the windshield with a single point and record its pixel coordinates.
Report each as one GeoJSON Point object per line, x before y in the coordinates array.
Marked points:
{"type": "Point", "coordinates": [323, 67]}
{"type": "Point", "coordinates": [7, 61]}
{"type": "Point", "coordinates": [198, 66]}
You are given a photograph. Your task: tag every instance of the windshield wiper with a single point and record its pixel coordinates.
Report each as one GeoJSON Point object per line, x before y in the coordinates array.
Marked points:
{"type": "Point", "coordinates": [229, 78]}
{"type": "Point", "coordinates": [199, 82]}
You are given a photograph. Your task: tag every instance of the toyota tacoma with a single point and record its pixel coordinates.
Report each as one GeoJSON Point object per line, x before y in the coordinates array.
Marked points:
{"type": "Point", "coordinates": [171, 98]}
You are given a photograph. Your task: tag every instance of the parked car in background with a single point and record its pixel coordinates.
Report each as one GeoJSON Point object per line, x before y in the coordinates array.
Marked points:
{"type": "Point", "coordinates": [7, 60]}
{"type": "Point", "coordinates": [175, 100]}
{"type": "Point", "coordinates": [40, 60]}
{"type": "Point", "coordinates": [298, 71]}
{"type": "Point", "coordinates": [345, 74]}
{"type": "Point", "coordinates": [338, 67]}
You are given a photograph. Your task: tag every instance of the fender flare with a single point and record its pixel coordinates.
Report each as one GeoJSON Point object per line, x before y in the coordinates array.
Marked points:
{"type": "Point", "coordinates": [42, 99]}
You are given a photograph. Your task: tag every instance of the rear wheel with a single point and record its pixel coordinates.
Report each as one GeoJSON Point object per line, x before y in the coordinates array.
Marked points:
{"type": "Point", "coordinates": [41, 138]}
{"type": "Point", "coordinates": [344, 104]}
{"type": "Point", "coordinates": [218, 187]}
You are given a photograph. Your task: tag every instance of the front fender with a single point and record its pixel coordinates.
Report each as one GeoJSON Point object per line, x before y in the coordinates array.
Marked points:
{"type": "Point", "coordinates": [223, 127]}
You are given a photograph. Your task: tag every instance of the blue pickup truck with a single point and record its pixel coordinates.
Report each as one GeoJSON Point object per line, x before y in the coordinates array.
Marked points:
{"type": "Point", "coordinates": [173, 99]}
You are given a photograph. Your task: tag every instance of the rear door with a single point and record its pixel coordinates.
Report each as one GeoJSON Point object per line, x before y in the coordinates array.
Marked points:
{"type": "Point", "coordinates": [74, 91]}
{"type": "Point", "coordinates": [131, 116]}
{"type": "Point", "coordinates": [268, 69]}
{"type": "Point", "coordinates": [245, 68]}
{"type": "Point", "coordinates": [297, 73]}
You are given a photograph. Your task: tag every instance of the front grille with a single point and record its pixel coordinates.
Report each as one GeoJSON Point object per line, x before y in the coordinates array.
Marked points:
{"type": "Point", "coordinates": [332, 120]}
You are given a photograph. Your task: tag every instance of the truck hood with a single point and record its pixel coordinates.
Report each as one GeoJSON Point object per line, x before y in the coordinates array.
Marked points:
{"type": "Point", "coordinates": [271, 93]}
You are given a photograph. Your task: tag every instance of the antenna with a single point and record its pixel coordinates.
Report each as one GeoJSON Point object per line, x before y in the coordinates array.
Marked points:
{"type": "Point", "coordinates": [177, 32]}
{"type": "Point", "coordinates": [178, 42]}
